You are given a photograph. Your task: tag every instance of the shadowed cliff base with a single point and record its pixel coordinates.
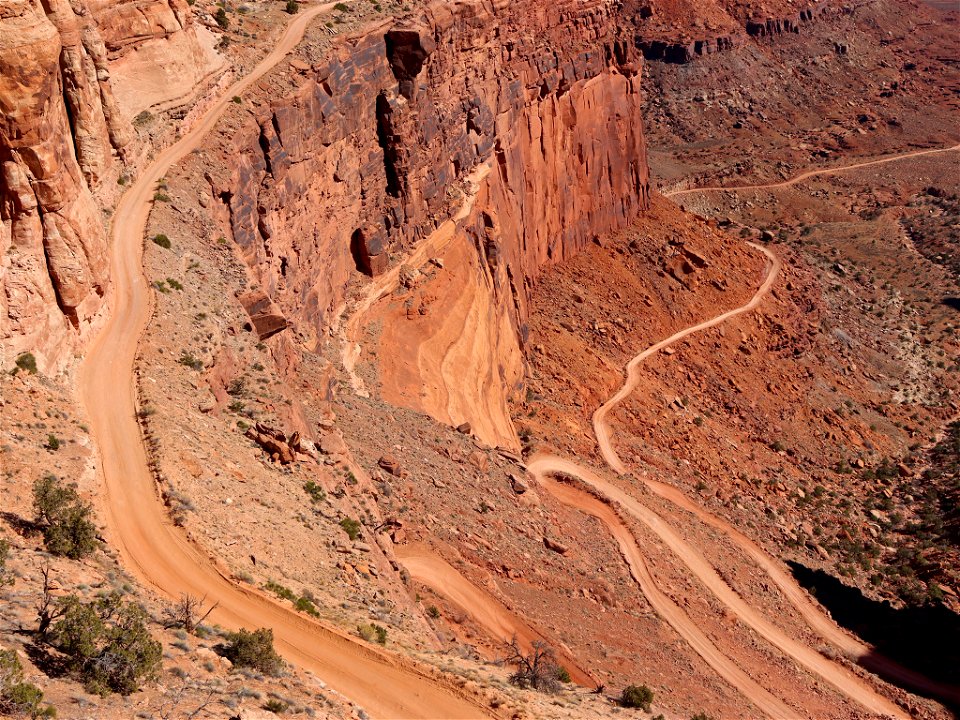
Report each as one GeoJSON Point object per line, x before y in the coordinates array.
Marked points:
{"type": "Point", "coordinates": [925, 639]}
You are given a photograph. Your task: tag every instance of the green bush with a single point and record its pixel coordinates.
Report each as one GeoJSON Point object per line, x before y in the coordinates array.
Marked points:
{"type": "Point", "coordinates": [222, 20]}
{"type": "Point", "coordinates": [254, 650]}
{"type": "Point", "coordinates": [67, 528]}
{"type": "Point", "coordinates": [315, 492]}
{"type": "Point", "coordinates": [161, 197]}
{"type": "Point", "coordinates": [27, 362]}
{"type": "Point", "coordinates": [107, 644]}
{"type": "Point", "coordinates": [53, 442]}
{"type": "Point", "coordinates": [74, 535]}
{"type": "Point", "coordinates": [5, 577]}
{"type": "Point", "coordinates": [293, 7]}
{"type": "Point", "coordinates": [341, 7]}
{"type": "Point", "coordinates": [702, 716]}
{"type": "Point", "coordinates": [17, 698]}
{"type": "Point", "coordinates": [190, 361]}
{"type": "Point", "coordinates": [276, 706]}
{"type": "Point", "coordinates": [351, 527]}
{"type": "Point", "coordinates": [433, 611]}
{"type": "Point", "coordinates": [563, 675]}
{"type": "Point", "coordinates": [373, 633]}
{"type": "Point", "coordinates": [162, 240]}
{"type": "Point", "coordinates": [637, 696]}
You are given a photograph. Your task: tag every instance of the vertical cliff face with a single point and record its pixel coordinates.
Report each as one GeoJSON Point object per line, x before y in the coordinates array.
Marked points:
{"type": "Point", "coordinates": [62, 135]}
{"type": "Point", "coordinates": [373, 152]}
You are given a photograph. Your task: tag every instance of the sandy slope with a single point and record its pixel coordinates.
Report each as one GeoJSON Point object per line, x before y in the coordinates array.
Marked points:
{"type": "Point", "coordinates": [137, 525]}
{"type": "Point", "coordinates": [502, 624]}
{"type": "Point", "coordinates": [814, 173]}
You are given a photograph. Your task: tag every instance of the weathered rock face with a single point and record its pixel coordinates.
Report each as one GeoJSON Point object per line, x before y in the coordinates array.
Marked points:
{"type": "Point", "coordinates": [664, 34]}
{"type": "Point", "coordinates": [62, 134]}
{"type": "Point", "coordinates": [371, 153]}
{"type": "Point", "coordinates": [374, 151]}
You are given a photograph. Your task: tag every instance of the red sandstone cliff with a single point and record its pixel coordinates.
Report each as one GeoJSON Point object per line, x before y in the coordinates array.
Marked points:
{"type": "Point", "coordinates": [371, 153]}
{"type": "Point", "coordinates": [61, 136]}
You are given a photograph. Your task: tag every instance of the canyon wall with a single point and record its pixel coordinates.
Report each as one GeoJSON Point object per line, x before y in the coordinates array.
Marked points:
{"type": "Point", "coordinates": [373, 153]}
{"type": "Point", "coordinates": [63, 134]}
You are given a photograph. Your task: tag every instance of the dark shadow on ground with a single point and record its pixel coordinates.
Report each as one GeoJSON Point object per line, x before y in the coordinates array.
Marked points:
{"type": "Point", "coordinates": [952, 302]}
{"type": "Point", "coordinates": [924, 639]}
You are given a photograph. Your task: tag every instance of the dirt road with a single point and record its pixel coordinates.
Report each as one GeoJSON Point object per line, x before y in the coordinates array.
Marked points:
{"type": "Point", "coordinates": [600, 425]}
{"type": "Point", "coordinates": [543, 466]}
{"type": "Point", "coordinates": [498, 621]}
{"type": "Point", "coordinates": [159, 555]}
{"type": "Point", "coordinates": [813, 173]}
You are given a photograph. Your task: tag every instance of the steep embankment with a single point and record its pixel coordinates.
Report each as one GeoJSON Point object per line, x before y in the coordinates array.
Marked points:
{"type": "Point", "coordinates": [137, 524]}
{"type": "Point", "coordinates": [491, 614]}
{"type": "Point", "coordinates": [383, 137]}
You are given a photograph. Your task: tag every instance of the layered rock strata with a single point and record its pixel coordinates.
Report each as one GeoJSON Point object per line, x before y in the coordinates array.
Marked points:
{"type": "Point", "coordinates": [62, 134]}
{"type": "Point", "coordinates": [686, 49]}
{"type": "Point", "coordinates": [372, 152]}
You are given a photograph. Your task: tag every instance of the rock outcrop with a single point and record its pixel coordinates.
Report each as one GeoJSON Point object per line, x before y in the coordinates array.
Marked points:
{"type": "Point", "coordinates": [376, 148]}
{"type": "Point", "coordinates": [684, 47]}
{"type": "Point", "coordinates": [62, 135]}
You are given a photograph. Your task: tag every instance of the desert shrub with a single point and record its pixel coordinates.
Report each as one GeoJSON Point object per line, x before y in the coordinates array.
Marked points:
{"type": "Point", "coordinates": [305, 605]}
{"type": "Point", "coordinates": [6, 578]}
{"type": "Point", "coordinates": [537, 669]}
{"type": "Point", "coordinates": [67, 528]}
{"type": "Point", "coordinates": [280, 591]}
{"type": "Point", "coordinates": [351, 527]}
{"type": "Point", "coordinates": [315, 492]}
{"type": "Point", "coordinates": [702, 716]}
{"type": "Point", "coordinates": [293, 7]}
{"type": "Point", "coordinates": [341, 7]}
{"type": "Point", "coordinates": [175, 284]}
{"type": "Point", "coordinates": [107, 644]}
{"type": "Point", "coordinates": [433, 611]}
{"type": "Point", "coordinates": [53, 442]}
{"type": "Point", "coordinates": [636, 696]}
{"type": "Point", "coordinates": [237, 99]}
{"type": "Point", "coordinates": [563, 675]}
{"type": "Point", "coordinates": [162, 240]}
{"type": "Point", "coordinates": [161, 197]}
{"type": "Point", "coordinates": [253, 650]}
{"type": "Point", "coordinates": [27, 362]}
{"type": "Point", "coordinates": [188, 359]}
{"type": "Point", "coordinates": [276, 706]}
{"type": "Point", "coordinates": [373, 633]}
{"type": "Point", "coordinates": [186, 613]}
{"type": "Point", "coordinates": [17, 698]}
{"type": "Point", "coordinates": [222, 20]}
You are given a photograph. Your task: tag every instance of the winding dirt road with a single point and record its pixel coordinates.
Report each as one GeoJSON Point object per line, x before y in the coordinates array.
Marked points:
{"type": "Point", "coordinates": [600, 425]}
{"type": "Point", "coordinates": [154, 551]}
{"type": "Point", "coordinates": [813, 173]}
{"type": "Point", "coordinates": [543, 466]}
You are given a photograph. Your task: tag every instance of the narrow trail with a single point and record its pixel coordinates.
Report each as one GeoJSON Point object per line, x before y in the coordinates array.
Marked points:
{"type": "Point", "coordinates": [543, 465]}
{"type": "Point", "coordinates": [495, 617]}
{"type": "Point", "coordinates": [150, 547]}
{"type": "Point", "coordinates": [813, 173]}
{"type": "Point", "coordinates": [600, 425]}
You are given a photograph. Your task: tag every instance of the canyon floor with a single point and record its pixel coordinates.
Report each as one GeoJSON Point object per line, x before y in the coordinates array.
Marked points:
{"type": "Point", "coordinates": [723, 472]}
